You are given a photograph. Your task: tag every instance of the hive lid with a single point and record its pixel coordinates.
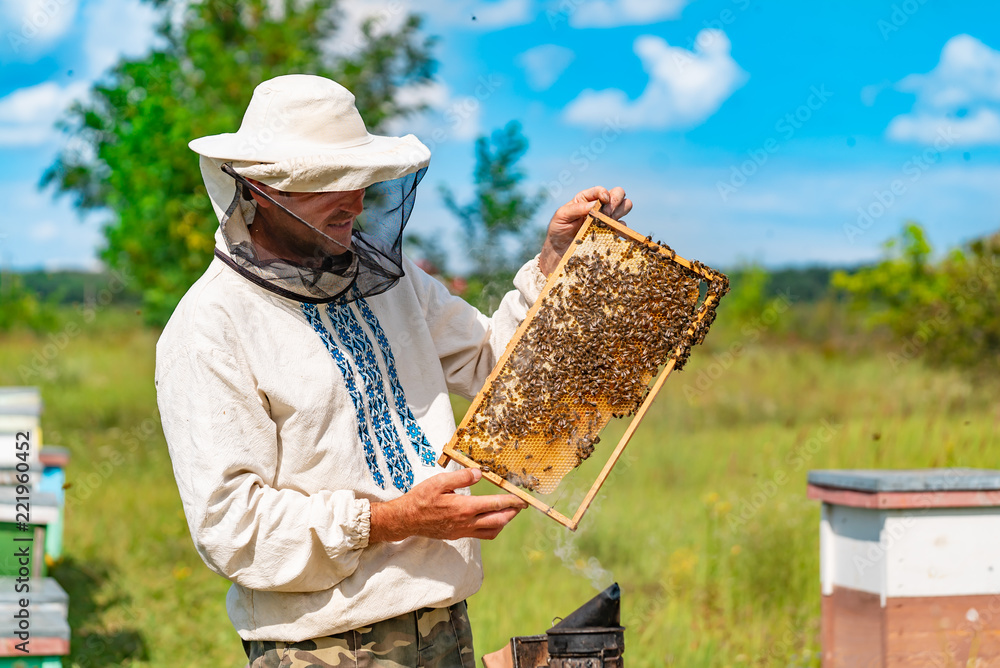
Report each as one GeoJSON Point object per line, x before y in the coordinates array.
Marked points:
{"type": "Point", "coordinates": [43, 507]}
{"type": "Point", "coordinates": [908, 480]}
{"type": "Point", "coordinates": [40, 590]}
{"type": "Point", "coordinates": [44, 624]}
{"type": "Point", "coordinates": [20, 401]}
{"type": "Point", "coordinates": [54, 455]}
{"type": "Point", "coordinates": [9, 497]}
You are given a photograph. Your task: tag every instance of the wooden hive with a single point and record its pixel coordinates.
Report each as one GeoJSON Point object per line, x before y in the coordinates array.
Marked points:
{"type": "Point", "coordinates": [909, 568]}
{"type": "Point", "coordinates": [618, 311]}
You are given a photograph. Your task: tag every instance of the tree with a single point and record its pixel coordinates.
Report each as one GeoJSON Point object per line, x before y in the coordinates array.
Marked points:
{"type": "Point", "coordinates": [21, 307]}
{"type": "Point", "coordinates": [496, 225]}
{"type": "Point", "coordinates": [946, 312]}
{"type": "Point", "coordinates": [129, 151]}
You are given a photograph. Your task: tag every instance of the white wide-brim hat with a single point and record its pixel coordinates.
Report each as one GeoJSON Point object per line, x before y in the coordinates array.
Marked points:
{"type": "Point", "coordinates": [303, 133]}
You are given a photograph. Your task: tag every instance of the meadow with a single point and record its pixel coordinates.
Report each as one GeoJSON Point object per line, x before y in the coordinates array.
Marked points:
{"type": "Point", "coordinates": [704, 523]}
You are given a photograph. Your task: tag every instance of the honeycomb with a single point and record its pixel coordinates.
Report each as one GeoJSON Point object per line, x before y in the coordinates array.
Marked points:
{"type": "Point", "coordinates": [616, 311]}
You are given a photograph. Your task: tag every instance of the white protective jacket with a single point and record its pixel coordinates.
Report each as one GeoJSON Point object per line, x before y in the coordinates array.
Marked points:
{"type": "Point", "coordinates": [280, 419]}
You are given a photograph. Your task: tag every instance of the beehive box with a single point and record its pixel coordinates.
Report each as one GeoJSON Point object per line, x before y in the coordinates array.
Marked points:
{"type": "Point", "coordinates": [30, 662]}
{"type": "Point", "coordinates": [909, 567]}
{"type": "Point", "coordinates": [49, 629]}
{"type": "Point", "coordinates": [49, 640]}
{"type": "Point", "coordinates": [20, 408]}
{"type": "Point", "coordinates": [43, 509]}
{"type": "Point", "coordinates": [45, 594]}
{"type": "Point", "coordinates": [618, 310]}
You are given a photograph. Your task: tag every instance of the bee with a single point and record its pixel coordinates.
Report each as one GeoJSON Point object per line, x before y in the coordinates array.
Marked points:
{"type": "Point", "coordinates": [602, 332]}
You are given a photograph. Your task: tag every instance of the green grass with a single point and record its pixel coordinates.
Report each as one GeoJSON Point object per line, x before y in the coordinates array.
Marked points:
{"type": "Point", "coordinates": [704, 522]}
{"type": "Point", "coordinates": [139, 594]}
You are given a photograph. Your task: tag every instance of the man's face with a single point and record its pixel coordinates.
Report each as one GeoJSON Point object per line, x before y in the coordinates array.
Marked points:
{"type": "Point", "coordinates": [332, 213]}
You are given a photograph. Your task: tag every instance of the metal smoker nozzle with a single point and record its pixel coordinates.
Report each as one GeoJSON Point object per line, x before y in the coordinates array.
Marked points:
{"type": "Point", "coordinates": [602, 611]}
{"type": "Point", "coordinates": [591, 636]}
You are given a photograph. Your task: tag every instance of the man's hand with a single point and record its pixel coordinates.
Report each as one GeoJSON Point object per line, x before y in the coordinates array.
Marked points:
{"type": "Point", "coordinates": [433, 509]}
{"type": "Point", "coordinates": [569, 217]}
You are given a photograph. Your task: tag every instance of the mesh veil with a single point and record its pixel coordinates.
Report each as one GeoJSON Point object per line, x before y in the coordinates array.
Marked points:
{"type": "Point", "coordinates": [371, 265]}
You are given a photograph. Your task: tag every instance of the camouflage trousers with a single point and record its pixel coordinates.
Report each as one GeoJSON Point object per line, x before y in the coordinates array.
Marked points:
{"type": "Point", "coordinates": [426, 638]}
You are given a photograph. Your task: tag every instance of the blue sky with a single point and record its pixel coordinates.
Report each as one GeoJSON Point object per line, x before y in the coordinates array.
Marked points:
{"type": "Point", "coordinates": [743, 130]}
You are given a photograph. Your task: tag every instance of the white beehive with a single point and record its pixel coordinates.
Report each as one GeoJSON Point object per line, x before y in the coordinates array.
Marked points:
{"type": "Point", "coordinates": [909, 566]}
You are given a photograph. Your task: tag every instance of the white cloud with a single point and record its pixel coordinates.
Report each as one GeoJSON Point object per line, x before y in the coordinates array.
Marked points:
{"type": "Point", "coordinates": [28, 115]}
{"type": "Point", "coordinates": [612, 13]}
{"type": "Point", "coordinates": [29, 27]}
{"type": "Point", "coordinates": [112, 29]}
{"type": "Point", "coordinates": [981, 126]}
{"type": "Point", "coordinates": [452, 116]}
{"type": "Point", "coordinates": [117, 29]}
{"type": "Point", "coordinates": [449, 118]}
{"type": "Point", "coordinates": [969, 72]}
{"type": "Point", "coordinates": [389, 15]}
{"type": "Point", "coordinates": [44, 231]}
{"type": "Point", "coordinates": [684, 88]}
{"type": "Point", "coordinates": [491, 15]}
{"type": "Point", "coordinates": [962, 93]}
{"type": "Point", "coordinates": [435, 94]}
{"type": "Point", "coordinates": [109, 29]}
{"type": "Point", "coordinates": [544, 64]}
{"type": "Point", "coordinates": [384, 16]}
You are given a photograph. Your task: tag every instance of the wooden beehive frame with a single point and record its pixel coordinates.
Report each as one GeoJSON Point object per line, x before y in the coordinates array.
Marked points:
{"type": "Point", "coordinates": [707, 306]}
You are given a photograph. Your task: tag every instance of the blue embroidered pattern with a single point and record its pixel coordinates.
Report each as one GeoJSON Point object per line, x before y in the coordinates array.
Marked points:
{"type": "Point", "coordinates": [413, 430]}
{"type": "Point", "coordinates": [312, 315]}
{"type": "Point", "coordinates": [349, 330]}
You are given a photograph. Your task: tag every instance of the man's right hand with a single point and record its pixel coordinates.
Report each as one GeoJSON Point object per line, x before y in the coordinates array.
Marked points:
{"type": "Point", "coordinates": [433, 509]}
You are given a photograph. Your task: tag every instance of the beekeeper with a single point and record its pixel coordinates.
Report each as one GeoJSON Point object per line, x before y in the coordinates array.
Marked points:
{"type": "Point", "coordinates": [303, 387]}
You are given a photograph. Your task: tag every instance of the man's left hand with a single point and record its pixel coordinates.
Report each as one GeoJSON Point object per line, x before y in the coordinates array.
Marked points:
{"type": "Point", "coordinates": [570, 216]}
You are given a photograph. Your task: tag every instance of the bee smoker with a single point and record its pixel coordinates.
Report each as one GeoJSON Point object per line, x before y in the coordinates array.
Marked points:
{"type": "Point", "coordinates": [591, 637]}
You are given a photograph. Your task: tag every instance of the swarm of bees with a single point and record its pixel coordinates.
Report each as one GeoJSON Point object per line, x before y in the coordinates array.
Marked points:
{"type": "Point", "coordinates": [619, 310]}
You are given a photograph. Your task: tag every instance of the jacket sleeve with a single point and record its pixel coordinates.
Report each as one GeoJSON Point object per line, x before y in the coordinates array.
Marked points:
{"type": "Point", "coordinates": [467, 342]}
{"type": "Point", "coordinates": [219, 431]}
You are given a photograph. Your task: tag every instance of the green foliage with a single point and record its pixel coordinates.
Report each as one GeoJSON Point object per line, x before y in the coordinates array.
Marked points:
{"type": "Point", "coordinates": [77, 287]}
{"type": "Point", "coordinates": [754, 306]}
{"type": "Point", "coordinates": [802, 284]}
{"type": "Point", "coordinates": [748, 296]}
{"type": "Point", "coordinates": [946, 312]}
{"type": "Point", "coordinates": [130, 152]}
{"type": "Point", "coordinates": [20, 307]}
{"type": "Point", "coordinates": [486, 292]}
{"type": "Point", "coordinates": [905, 280]}
{"type": "Point", "coordinates": [496, 230]}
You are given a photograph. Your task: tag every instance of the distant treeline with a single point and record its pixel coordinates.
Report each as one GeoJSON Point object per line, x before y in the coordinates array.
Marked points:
{"type": "Point", "coordinates": [76, 287]}
{"type": "Point", "coordinates": [945, 311]}
{"type": "Point", "coordinates": [799, 284]}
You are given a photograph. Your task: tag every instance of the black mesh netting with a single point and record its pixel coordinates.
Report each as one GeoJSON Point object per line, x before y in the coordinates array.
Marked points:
{"type": "Point", "coordinates": [331, 272]}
